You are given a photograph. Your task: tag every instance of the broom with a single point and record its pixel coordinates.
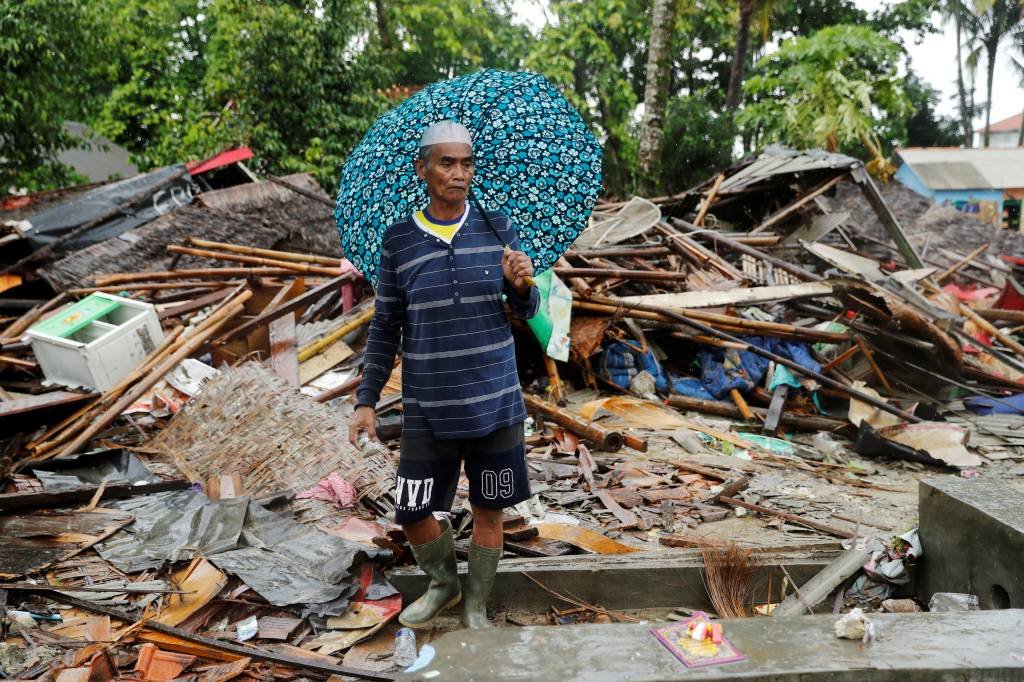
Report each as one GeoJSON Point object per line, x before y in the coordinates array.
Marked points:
{"type": "Point", "coordinates": [728, 577]}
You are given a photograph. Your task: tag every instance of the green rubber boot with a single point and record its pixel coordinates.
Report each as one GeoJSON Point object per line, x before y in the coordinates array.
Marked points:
{"type": "Point", "coordinates": [437, 559]}
{"type": "Point", "coordinates": [483, 564]}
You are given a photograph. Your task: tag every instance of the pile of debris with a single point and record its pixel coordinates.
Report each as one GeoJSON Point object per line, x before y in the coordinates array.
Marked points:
{"type": "Point", "coordinates": [735, 365]}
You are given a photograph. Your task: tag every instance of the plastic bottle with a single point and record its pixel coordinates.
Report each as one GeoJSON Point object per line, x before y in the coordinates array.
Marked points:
{"type": "Point", "coordinates": [405, 648]}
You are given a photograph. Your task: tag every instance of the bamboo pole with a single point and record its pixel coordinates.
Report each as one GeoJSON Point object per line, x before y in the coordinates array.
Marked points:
{"type": "Point", "coordinates": [611, 306]}
{"type": "Point", "coordinates": [733, 245]}
{"type": "Point", "coordinates": [617, 273]}
{"type": "Point", "coordinates": [155, 286]}
{"type": "Point", "coordinates": [254, 260]}
{"type": "Point", "coordinates": [866, 352]}
{"type": "Point", "coordinates": [183, 349]}
{"type": "Point", "coordinates": [796, 367]}
{"type": "Point", "coordinates": [55, 437]}
{"type": "Point", "coordinates": [969, 313]}
{"type": "Point", "coordinates": [708, 200]}
{"type": "Point", "coordinates": [12, 333]}
{"type": "Point", "coordinates": [1001, 315]}
{"type": "Point", "coordinates": [269, 253]}
{"type": "Point", "coordinates": [951, 270]}
{"type": "Point", "coordinates": [127, 277]}
{"type": "Point", "coordinates": [724, 409]}
{"type": "Point", "coordinates": [315, 347]}
{"type": "Point", "coordinates": [604, 439]}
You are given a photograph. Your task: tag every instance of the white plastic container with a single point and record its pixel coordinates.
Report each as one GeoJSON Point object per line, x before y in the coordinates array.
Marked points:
{"type": "Point", "coordinates": [94, 343]}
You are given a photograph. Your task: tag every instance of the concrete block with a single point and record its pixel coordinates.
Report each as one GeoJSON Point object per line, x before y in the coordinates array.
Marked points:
{"type": "Point", "coordinates": [972, 534]}
{"type": "Point", "coordinates": [644, 580]}
{"type": "Point", "coordinates": [915, 647]}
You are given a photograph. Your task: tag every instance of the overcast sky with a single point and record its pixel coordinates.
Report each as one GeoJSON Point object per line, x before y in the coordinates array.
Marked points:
{"type": "Point", "coordinates": [934, 59]}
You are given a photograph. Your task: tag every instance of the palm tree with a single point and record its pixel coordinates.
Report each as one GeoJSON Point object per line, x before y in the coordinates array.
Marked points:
{"type": "Point", "coordinates": [993, 21]}
{"type": "Point", "coordinates": [659, 62]}
{"type": "Point", "coordinates": [955, 11]}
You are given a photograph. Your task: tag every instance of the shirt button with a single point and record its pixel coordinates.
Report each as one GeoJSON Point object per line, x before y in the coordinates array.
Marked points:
{"type": "Point", "coordinates": [453, 269]}
{"type": "Point", "coordinates": [455, 281]}
{"type": "Point", "coordinates": [487, 272]}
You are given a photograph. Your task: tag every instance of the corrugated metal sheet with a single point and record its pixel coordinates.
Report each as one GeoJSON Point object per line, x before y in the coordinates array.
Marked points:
{"type": "Point", "coordinates": [949, 168]}
{"type": "Point", "coordinates": [778, 161]}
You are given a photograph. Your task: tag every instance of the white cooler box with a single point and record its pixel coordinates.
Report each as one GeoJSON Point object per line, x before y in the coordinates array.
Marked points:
{"type": "Point", "coordinates": [94, 343]}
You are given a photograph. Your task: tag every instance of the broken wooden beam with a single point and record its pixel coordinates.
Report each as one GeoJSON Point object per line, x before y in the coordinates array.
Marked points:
{"type": "Point", "coordinates": [740, 247]}
{"type": "Point", "coordinates": [237, 649]}
{"type": "Point", "coordinates": [803, 521]}
{"type": "Point", "coordinates": [58, 498]}
{"type": "Point", "coordinates": [266, 253]}
{"type": "Point", "coordinates": [602, 438]}
{"type": "Point", "coordinates": [796, 367]}
{"type": "Point", "coordinates": [963, 262]}
{"type": "Point", "coordinates": [798, 421]}
{"type": "Point", "coordinates": [812, 592]}
{"type": "Point", "coordinates": [256, 261]}
{"type": "Point", "coordinates": [619, 273]}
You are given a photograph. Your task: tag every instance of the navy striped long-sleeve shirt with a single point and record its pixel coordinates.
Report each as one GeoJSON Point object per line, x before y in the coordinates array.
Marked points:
{"type": "Point", "coordinates": [443, 303]}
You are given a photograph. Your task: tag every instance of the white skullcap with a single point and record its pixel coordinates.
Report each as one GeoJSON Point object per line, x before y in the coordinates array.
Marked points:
{"type": "Point", "coordinates": [445, 131]}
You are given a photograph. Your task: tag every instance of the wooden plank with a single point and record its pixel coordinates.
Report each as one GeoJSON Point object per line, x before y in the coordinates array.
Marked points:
{"type": "Point", "coordinates": [12, 501]}
{"type": "Point", "coordinates": [714, 299]}
{"type": "Point", "coordinates": [283, 351]}
{"type": "Point", "coordinates": [584, 538]}
{"type": "Point", "coordinates": [238, 650]}
{"type": "Point", "coordinates": [43, 401]}
{"type": "Point", "coordinates": [821, 585]}
{"type": "Point", "coordinates": [318, 364]}
{"type": "Point", "coordinates": [627, 518]}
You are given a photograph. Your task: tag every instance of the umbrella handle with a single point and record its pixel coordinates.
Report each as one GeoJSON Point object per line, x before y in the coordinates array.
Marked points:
{"type": "Point", "coordinates": [529, 280]}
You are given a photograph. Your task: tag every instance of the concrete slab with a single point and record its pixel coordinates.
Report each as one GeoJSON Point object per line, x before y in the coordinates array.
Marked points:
{"type": "Point", "coordinates": [921, 647]}
{"type": "Point", "coordinates": [972, 533]}
{"type": "Point", "coordinates": [643, 580]}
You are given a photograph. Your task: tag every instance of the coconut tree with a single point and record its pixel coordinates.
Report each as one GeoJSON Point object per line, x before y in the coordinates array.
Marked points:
{"type": "Point", "coordinates": [993, 21]}
{"type": "Point", "coordinates": [956, 11]}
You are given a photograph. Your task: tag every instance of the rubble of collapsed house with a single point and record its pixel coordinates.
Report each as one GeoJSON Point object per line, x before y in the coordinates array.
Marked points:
{"type": "Point", "coordinates": [733, 392]}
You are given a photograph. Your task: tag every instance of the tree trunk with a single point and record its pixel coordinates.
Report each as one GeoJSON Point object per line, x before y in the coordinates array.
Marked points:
{"type": "Point", "coordinates": [1020, 133]}
{"type": "Point", "coordinates": [739, 57]}
{"type": "Point", "coordinates": [991, 50]}
{"type": "Point", "coordinates": [966, 123]}
{"type": "Point", "coordinates": [652, 128]}
{"type": "Point", "coordinates": [383, 25]}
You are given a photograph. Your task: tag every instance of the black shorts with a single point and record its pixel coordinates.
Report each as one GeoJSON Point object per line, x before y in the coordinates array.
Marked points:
{"type": "Point", "coordinates": [428, 472]}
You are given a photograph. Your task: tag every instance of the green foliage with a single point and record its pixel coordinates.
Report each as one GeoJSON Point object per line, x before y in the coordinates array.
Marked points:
{"type": "Point", "coordinates": [828, 90]}
{"type": "Point", "coordinates": [442, 39]}
{"type": "Point", "coordinates": [596, 52]}
{"type": "Point", "coordinates": [925, 128]}
{"type": "Point", "coordinates": [49, 74]}
{"type": "Point", "coordinates": [300, 80]}
{"type": "Point", "coordinates": [696, 143]}
{"type": "Point", "coordinates": [279, 76]}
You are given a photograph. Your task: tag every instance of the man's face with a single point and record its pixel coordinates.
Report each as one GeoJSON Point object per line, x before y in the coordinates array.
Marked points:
{"type": "Point", "coordinates": [449, 171]}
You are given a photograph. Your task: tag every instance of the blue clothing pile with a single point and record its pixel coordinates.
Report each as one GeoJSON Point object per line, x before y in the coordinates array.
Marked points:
{"type": "Point", "coordinates": [722, 369]}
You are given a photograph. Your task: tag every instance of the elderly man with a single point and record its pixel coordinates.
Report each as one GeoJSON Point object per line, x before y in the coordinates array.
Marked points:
{"type": "Point", "coordinates": [445, 273]}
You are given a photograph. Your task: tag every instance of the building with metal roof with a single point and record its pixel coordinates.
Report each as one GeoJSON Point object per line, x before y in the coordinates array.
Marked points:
{"type": "Point", "coordinates": [1005, 133]}
{"type": "Point", "coordinates": [989, 182]}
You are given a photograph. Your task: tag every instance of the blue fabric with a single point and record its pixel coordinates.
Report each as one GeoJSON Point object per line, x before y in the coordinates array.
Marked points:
{"type": "Point", "coordinates": [536, 162]}
{"type": "Point", "coordinates": [725, 369]}
{"type": "Point", "coordinates": [444, 303]}
{"type": "Point", "coordinates": [620, 362]}
{"type": "Point", "coordinates": [983, 405]}
{"type": "Point", "coordinates": [690, 387]}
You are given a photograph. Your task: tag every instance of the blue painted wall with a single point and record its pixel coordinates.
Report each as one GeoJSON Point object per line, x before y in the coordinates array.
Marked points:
{"type": "Point", "coordinates": [906, 175]}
